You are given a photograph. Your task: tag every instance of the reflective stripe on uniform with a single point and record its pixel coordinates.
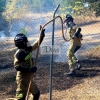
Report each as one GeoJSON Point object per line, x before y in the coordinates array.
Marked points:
{"type": "Point", "coordinates": [19, 96]}
{"type": "Point", "coordinates": [28, 56]}
{"type": "Point", "coordinates": [70, 63]}
{"type": "Point", "coordinates": [69, 53]}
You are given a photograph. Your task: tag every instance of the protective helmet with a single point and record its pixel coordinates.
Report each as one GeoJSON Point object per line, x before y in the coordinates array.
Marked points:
{"type": "Point", "coordinates": [20, 41]}
{"type": "Point", "coordinates": [69, 18]}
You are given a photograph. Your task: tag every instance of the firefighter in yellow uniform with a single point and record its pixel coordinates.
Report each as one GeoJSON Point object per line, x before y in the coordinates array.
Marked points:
{"type": "Point", "coordinates": [75, 36]}
{"type": "Point", "coordinates": [23, 63]}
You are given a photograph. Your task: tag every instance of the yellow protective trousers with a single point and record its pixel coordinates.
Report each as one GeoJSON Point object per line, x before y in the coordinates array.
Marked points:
{"type": "Point", "coordinates": [23, 83]}
{"type": "Point", "coordinates": [75, 44]}
{"type": "Point", "coordinates": [71, 58]}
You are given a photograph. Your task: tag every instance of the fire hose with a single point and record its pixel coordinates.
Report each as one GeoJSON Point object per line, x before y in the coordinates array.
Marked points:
{"type": "Point", "coordinates": [39, 45]}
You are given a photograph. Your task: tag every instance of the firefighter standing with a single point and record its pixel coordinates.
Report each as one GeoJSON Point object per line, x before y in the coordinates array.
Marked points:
{"type": "Point", "coordinates": [74, 33]}
{"type": "Point", "coordinates": [23, 63]}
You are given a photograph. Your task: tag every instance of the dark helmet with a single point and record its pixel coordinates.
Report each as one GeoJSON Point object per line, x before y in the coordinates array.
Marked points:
{"type": "Point", "coordinates": [20, 41]}
{"type": "Point", "coordinates": [69, 18]}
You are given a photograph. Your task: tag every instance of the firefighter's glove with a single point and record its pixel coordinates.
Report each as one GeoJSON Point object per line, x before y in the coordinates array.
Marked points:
{"type": "Point", "coordinates": [81, 36]}
{"type": "Point", "coordinates": [77, 33]}
{"type": "Point", "coordinates": [33, 69]}
{"type": "Point", "coordinates": [42, 34]}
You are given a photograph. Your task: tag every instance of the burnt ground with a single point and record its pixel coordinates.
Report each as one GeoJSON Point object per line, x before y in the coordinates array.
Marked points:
{"type": "Point", "coordinates": [84, 86]}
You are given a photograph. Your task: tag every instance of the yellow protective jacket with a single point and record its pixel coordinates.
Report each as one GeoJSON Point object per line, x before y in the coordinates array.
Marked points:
{"type": "Point", "coordinates": [71, 32]}
{"type": "Point", "coordinates": [24, 59]}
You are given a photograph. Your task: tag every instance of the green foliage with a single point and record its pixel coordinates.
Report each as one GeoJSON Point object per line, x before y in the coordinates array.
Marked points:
{"type": "Point", "coordinates": [15, 8]}
{"type": "Point", "coordinates": [95, 6]}
{"type": "Point", "coordinates": [73, 7]}
{"type": "Point", "coordinates": [91, 1]}
{"type": "Point", "coordinates": [76, 7]}
{"type": "Point", "coordinates": [36, 3]}
{"type": "Point", "coordinates": [97, 9]}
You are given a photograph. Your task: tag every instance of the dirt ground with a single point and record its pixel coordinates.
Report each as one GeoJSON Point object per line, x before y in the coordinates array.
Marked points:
{"type": "Point", "coordinates": [84, 86]}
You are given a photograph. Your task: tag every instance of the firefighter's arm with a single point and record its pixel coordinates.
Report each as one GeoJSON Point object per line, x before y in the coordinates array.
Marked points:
{"type": "Point", "coordinates": [42, 34]}
{"type": "Point", "coordinates": [35, 45]}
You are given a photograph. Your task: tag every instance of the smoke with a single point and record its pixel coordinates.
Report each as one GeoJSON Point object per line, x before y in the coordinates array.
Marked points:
{"type": "Point", "coordinates": [13, 34]}
{"type": "Point", "coordinates": [63, 51]}
{"type": "Point", "coordinates": [62, 57]}
{"type": "Point", "coordinates": [2, 34]}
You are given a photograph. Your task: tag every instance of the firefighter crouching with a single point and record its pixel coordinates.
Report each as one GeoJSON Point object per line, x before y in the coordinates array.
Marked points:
{"type": "Point", "coordinates": [74, 33]}
{"type": "Point", "coordinates": [23, 63]}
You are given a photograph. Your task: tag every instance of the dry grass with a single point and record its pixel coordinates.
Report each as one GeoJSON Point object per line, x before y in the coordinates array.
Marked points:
{"type": "Point", "coordinates": [84, 86]}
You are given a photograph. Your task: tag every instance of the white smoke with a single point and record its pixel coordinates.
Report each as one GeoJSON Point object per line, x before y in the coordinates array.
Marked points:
{"type": "Point", "coordinates": [63, 51]}
{"type": "Point", "coordinates": [13, 33]}
{"type": "Point", "coordinates": [2, 35]}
